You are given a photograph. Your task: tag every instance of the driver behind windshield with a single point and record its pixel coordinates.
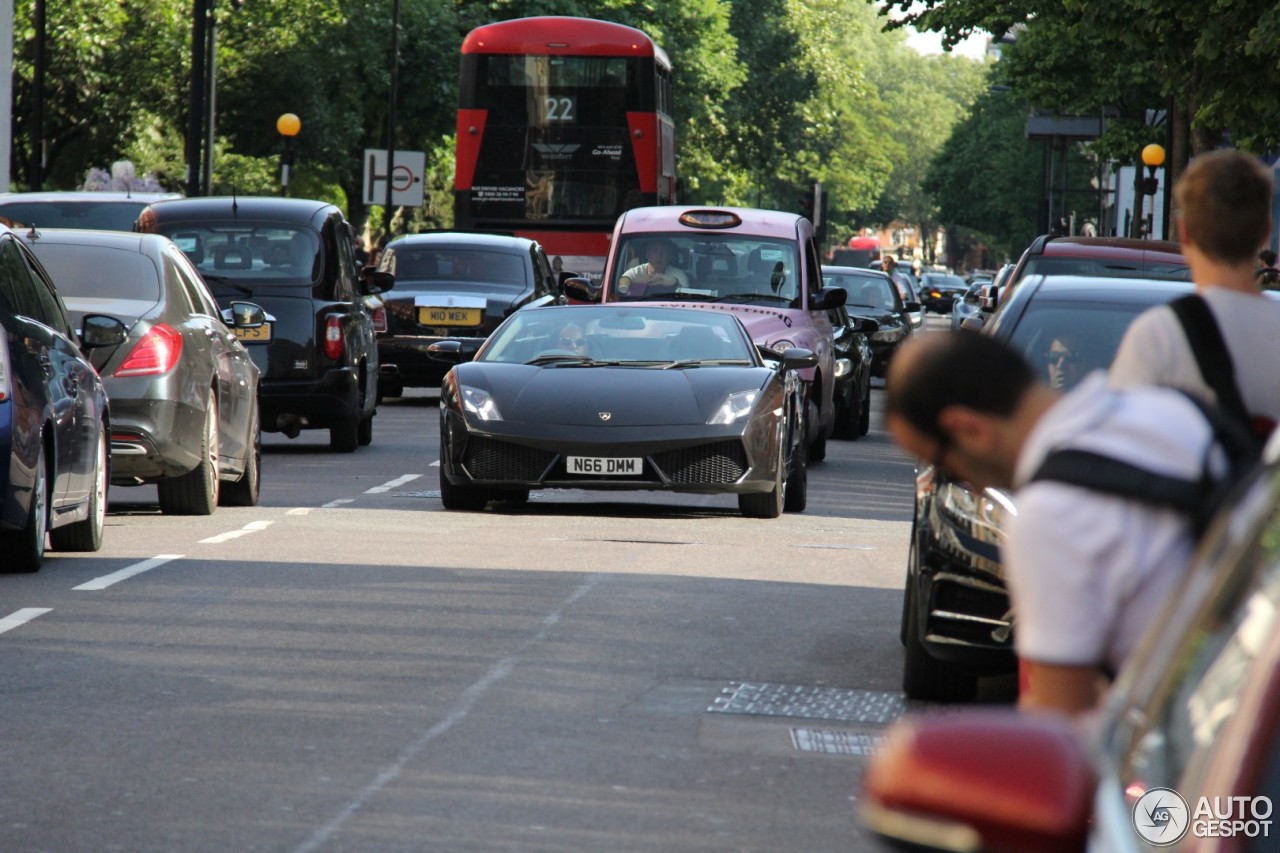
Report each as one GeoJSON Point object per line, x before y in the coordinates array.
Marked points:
{"type": "Point", "coordinates": [656, 272]}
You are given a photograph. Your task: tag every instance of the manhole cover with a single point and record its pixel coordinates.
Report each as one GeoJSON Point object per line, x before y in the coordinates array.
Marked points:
{"type": "Point", "coordinates": [815, 703]}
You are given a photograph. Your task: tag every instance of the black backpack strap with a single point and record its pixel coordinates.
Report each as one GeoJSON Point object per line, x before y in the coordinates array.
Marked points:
{"type": "Point", "coordinates": [1112, 476]}
{"type": "Point", "coordinates": [1210, 351]}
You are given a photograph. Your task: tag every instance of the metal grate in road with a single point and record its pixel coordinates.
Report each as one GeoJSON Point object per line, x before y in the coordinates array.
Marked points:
{"type": "Point", "coordinates": [813, 703]}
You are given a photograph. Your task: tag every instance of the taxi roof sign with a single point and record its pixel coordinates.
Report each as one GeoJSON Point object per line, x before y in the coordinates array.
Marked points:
{"type": "Point", "coordinates": [710, 219]}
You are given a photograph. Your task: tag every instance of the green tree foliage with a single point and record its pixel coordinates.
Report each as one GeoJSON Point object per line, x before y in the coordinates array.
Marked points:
{"type": "Point", "coordinates": [769, 95]}
{"type": "Point", "coordinates": [987, 176]}
{"type": "Point", "coordinates": [1208, 59]}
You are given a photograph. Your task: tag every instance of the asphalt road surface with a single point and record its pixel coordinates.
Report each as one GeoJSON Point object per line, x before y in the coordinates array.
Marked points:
{"type": "Point", "coordinates": [349, 667]}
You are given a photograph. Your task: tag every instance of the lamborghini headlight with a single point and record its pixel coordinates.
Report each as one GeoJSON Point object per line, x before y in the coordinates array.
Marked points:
{"type": "Point", "coordinates": [480, 403]}
{"type": "Point", "coordinates": [735, 407]}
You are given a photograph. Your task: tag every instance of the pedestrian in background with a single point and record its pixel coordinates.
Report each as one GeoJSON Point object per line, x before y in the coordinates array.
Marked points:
{"type": "Point", "coordinates": [1087, 571]}
{"type": "Point", "coordinates": [1223, 343]}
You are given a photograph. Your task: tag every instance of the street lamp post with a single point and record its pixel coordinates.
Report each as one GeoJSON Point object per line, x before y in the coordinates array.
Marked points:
{"type": "Point", "coordinates": [287, 126]}
{"type": "Point", "coordinates": [1152, 158]}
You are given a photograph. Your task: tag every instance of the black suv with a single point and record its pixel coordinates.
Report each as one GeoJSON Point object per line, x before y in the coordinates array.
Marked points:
{"type": "Point", "coordinates": [294, 258]}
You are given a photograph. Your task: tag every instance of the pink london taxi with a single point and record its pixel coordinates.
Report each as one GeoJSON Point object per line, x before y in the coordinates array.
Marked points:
{"type": "Point", "coordinates": [761, 265]}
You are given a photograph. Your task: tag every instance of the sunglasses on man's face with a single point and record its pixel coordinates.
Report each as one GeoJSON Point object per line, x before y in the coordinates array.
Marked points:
{"type": "Point", "coordinates": [573, 342]}
{"type": "Point", "coordinates": [1059, 357]}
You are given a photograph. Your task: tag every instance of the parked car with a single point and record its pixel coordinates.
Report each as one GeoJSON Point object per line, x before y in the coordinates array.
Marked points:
{"type": "Point", "coordinates": [183, 389]}
{"type": "Point", "coordinates": [294, 258]}
{"type": "Point", "coordinates": [938, 290]}
{"type": "Point", "coordinates": [55, 420]}
{"type": "Point", "coordinates": [967, 312]}
{"type": "Point", "coordinates": [624, 396]}
{"type": "Point", "coordinates": [1112, 257]}
{"type": "Point", "coordinates": [872, 296]}
{"type": "Point", "coordinates": [956, 622]}
{"type": "Point", "coordinates": [761, 265]}
{"type": "Point", "coordinates": [966, 306]}
{"type": "Point", "coordinates": [1183, 753]}
{"type": "Point", "coordinates": [99, 210]}
{"type": "Point", "coordinates": [853, 372]}
{"type": "Point", "coordinates": [457, 286]}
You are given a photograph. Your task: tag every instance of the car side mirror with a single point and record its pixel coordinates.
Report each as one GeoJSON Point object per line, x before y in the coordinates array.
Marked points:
{"type": "Point", "coordinates": [797, 358]}
{"type": "Point", "coordinates": [581, 289]}
{"type": "Point", "coordinates": [989, 297]}
{"type": "Point", "coordinates": [911, 306]}
{"type": "Point", "coordinates": [244, 315]}
{"type": "Point", "coordinates": [996, 780]}
{"type": "Point", "coordinates": [866, 325]}
{"type": "Point", "coordinates": [831, 297]}
{"type": "Point", "coordinates": [99, 330]}
{"type": "Point", "coordinates": [374, 281]}
{"type": "Point", "coordinates": [449, 352]}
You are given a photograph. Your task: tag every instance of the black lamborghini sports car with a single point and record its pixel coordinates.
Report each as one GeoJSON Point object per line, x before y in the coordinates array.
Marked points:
{"type": "Point", "coordinates": [623, 396]}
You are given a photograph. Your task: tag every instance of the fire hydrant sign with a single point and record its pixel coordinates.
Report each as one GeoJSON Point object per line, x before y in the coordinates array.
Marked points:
{"type": "Point", "coordinates": [406, 177]}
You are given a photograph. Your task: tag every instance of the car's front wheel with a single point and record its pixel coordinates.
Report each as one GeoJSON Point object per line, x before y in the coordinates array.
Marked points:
{"type": "Point", "coordinates": [771, 503]}
{"type": "Point", "coordinates": [246, 490]}
{"type": "Point", "coordinates": [86, 535]}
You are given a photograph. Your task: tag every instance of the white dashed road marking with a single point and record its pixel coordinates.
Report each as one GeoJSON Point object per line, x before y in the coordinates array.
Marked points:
{"type": "Point", "coordinates": [251, 527]}
{"type": "Point", "coordinates": [399, 481]}
{"type": "Point", "coordinates": [128, 572]}
{"type": "Point", "coordinates": [21, 617]}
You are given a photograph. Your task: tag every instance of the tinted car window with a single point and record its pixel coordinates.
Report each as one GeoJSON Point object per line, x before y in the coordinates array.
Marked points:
{"type": "Point", "coordinates": [1098, 267]}
{"type": "Point", "coordinates": [1093, 332]}
{"type": "Point", "coordinates": [100, 272]}
{"type": "Point", "coordinates": [105, 215]}
{"type": "Point", "coordinates": [269, 253]}
{"type": "Point", "coordinates": [447, 264]}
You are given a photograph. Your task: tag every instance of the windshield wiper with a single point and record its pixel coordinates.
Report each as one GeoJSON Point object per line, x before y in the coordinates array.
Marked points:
{"type": "Point", "coordinates": [223, 280]}
{"type": "Point", "coordinates": [703, 362]}
{"type": "Point", "coordinates": [553, 357]}
{"type": "Point", "coordinates": [752, 297]}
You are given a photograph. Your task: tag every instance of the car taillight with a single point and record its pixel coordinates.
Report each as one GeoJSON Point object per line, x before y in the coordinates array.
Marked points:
{"type": "Point", "coordinates": [5, 381]}
{"type": "Point", "coordinates": [155, 354]}
{"type": "Point", "coordinates": [333, 338]}
{"type": "Point", "coordinates": [380, 319]}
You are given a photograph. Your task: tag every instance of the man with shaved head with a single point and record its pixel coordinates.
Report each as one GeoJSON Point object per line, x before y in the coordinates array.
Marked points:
{"type": "Point", "coordinates": [1086, 570]}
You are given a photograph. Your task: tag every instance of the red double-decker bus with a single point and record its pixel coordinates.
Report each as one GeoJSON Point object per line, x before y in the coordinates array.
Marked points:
{"type": "Point", "coordinates": [563, 123]}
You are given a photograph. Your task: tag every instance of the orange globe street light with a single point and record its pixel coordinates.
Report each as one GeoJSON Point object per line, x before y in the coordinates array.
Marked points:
{"type": "Point", "coordinates": [1152, 158]}
{"type": "Point", "coordinates": [287, 126]}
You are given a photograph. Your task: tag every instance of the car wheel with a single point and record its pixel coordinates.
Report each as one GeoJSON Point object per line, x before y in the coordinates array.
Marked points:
{"type": "Point", "coordinates": [924, 677]}
{"type": "Point", "coordinates": [246, 490]}
{"type": "Point", "coordinates": [817, 447]}
{"type": "Point", "coordinates": [458, 496]}
{"type": "Point", "coordinates": [364, 433]}
{"type": "Point", "coordinates": [86, 535]}
{"type": "Point", "coordinates": [344, 436]}
{"type": "Point", "coordinates": [24, 549]}
{"type": "Point", "coordinates": [196, 492]}
{"type": "Point", "coordinates": [864, 411]}
{"type": "Point", "coordinates": [847, 414]}
{"type": "Point", "coordinates": [768, 504]}
{"type": "Point", "coordinates": [796, 487]}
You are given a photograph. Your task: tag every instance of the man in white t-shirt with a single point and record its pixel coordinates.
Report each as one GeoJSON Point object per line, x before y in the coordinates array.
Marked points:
{"type": "Point", "coordinates": [656, 273]}
{"type": "Point", "coordinates": [1087, 571]}
{"type": "Point", "coordinates": [1225, 201]}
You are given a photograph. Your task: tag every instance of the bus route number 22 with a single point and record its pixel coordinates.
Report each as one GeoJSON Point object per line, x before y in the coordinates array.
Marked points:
{"type": "Point", "coordinates": [559, 109]}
